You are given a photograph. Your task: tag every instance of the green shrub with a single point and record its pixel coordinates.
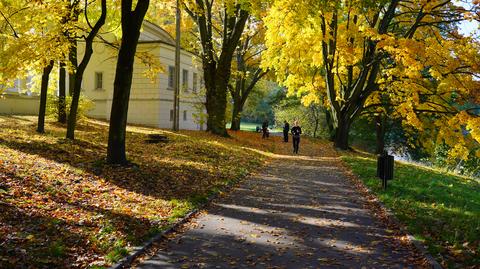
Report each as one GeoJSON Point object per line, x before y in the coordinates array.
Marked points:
{"type": "Point", "coordinates": [84, 105]}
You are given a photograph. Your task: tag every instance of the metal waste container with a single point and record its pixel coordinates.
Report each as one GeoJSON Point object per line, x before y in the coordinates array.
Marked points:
{"type": "Point", "coordinates": [385, 164]}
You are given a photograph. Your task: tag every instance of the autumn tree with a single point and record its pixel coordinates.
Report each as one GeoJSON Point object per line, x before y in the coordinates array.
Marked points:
{"type": "Point", "coordinates": [246, 71]}
{"type": "Point", "coordinates": [31, 42]}
{"type": "Point", "coordinates": [131, 20]}
{"type": "Point", "coordinates": [352, 52]}
{"type": "Point", "coordinates": [218, 45]}
{"type": "Point", "coordinates": [80, 69]}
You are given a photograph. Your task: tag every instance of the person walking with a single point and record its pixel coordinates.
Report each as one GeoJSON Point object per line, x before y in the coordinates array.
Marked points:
{"type": "Point", "coordinates": [265, 129]}
{"type": "Point", "coordinates": [296, 132]}
{"type": "Point", "coordinates": [286, 129]}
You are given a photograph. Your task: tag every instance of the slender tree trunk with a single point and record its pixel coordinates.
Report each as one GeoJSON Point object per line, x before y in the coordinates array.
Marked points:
{"type": "Point", "coordinates": [43, 97]}
{"type": "Point", "coordinates": [131, 23]}
{"type": "Point", "coordinates": [316, 128]}
{"type": "Point", "coordinates": [330, 126]}
{"type": "Point", "coordinates": [72, 56]}
{"type": "Point", "coordinates": [77, 81]}
{"type": "Point", "coordinates": [380, 128]}
{"type": "Point", "coordinates": [236, 116]}
{"type": "Point", "coordinates": [72, 116]}
{"type": "Point", "coordinates": [62, 110]}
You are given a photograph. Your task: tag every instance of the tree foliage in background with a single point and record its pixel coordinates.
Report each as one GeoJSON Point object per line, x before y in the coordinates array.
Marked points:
{"type": "Point", "coordinates": [311, 118]}
{"type": "Point", "coordinates": [246, 71]}
{"type": "Point", "coordinates": [261, 101]}
{"type": "Point", "coordinates": [352, 52]}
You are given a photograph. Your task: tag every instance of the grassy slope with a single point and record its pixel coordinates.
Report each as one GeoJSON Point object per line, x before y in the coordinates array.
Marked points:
{"type": "Point", "coordinates": [442, 210]}
{"type": "Point", "coordinates": [62, 206]}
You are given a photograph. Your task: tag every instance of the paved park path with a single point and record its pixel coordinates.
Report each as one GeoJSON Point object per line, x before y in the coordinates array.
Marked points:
{"type": "Point", "coordinates": [299, 212]}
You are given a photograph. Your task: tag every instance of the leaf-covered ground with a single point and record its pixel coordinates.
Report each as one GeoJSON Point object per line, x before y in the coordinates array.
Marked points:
{"type": "Point", "coordinates": [62, 206]}
{"type": "Point", "coordinates": [440, 209]}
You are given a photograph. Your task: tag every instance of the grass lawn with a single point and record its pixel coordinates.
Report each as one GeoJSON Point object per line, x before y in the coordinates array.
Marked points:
{"type": "Point", "coordinates": [440, 209]}
{"type": "Point", "coordinates": [62, 206]}
{"type": "Point", "coordinates": [252, 127]}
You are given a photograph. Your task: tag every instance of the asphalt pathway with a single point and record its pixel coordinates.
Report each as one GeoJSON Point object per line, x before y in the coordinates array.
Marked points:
{"type": "Point", "coordinates": [299, 212]}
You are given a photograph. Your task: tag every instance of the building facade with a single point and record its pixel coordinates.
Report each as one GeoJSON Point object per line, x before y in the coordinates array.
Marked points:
{"type": "Point", "coordinates": [151, 98]}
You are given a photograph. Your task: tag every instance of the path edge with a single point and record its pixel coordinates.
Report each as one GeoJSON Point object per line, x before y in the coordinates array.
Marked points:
{"type": "Point", "coordinates": [417, 243]}
{"type": "Point", "coordinates": [139, 250]}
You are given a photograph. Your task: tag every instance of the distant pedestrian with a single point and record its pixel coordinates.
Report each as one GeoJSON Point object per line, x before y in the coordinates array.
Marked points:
{"type": "Point", "coordinates": [286, 129]}
{"type": "Point", "coordinates": [296, 132]}
{"type": "Point", "coordinates": [265, 129]}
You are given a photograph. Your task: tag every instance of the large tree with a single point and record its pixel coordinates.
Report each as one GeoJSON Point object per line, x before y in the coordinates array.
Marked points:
{"type": "Point", "coordinates": [354, 51]}
{"type": "Point", "coordinates": [220, 25]}
{"type": "Point", "coordinates": [131, 19]}
{"type": "Point", "coordinates": [247, 70]}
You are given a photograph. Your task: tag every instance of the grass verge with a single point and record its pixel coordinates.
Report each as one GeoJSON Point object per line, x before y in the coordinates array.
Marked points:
{"type": "Point", "coordinates": [442, 210]}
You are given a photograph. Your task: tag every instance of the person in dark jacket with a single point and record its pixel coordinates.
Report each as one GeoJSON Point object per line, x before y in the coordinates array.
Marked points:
{"type": "Point", "coordinates": [296, 132]}
{"type": "Point", "coordinates": [286, 129]}
{"type": "Point", "coordinates": [265, 129]}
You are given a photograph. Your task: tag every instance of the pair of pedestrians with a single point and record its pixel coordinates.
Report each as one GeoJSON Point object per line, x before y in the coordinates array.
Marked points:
{"type": "Point", "coordinates": [296, 132]}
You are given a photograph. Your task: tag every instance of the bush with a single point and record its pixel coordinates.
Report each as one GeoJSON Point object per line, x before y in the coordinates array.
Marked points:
{"type": "Point", "coordinates": [84, 105]}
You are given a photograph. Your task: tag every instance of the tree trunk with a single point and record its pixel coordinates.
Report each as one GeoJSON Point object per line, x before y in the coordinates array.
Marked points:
{"type": "Point", "coordinates": [236, 115]}
{"type": "Point", "coordinates": [380, 128]}
{"type": "Point", "coordinates": [341, 133]}
{"type": "Point", "coordinates": [43, 97]}
{"type": "Point", "coordinates": [72, 56]}
{"type": "Point", "coordinates": [62, 111]}
{"type": "Point", "coordinates": [72, 116]}
{"type": "Point", "coordinates": [131, 23]}
{"type": "Point", "coordinates": [329, 122]}
{"type": "Point", "coordinates": [77, 81]}
{"type": "Point", "coordinates": [217, 103]}
{"type": "Point", "coordinates": [316, 128]}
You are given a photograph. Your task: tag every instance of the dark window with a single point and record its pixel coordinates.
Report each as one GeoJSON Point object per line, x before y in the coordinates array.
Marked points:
{"type": "Point", "coordinates": [184, 115]}
{"type": "Point", "coordinates": [171, 114]}
{"type": "Point", "coordinates": [195, 82]}
{"type": "Point", "coordinates": [98, 80]}
{"type": "Point", "coordinates": [171, 77]}
{"type": "Point", "coordinates": [185, 80]}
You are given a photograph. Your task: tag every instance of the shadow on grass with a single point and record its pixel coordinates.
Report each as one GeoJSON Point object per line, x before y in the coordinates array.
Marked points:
{"type": "Point", "coordinates": [152, 176]}
{"type": "Point", "coordinates": [442, 209]}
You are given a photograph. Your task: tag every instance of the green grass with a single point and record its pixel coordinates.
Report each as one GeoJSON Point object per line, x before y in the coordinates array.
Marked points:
{"type": "Point", "coordinates": [440, 209]}
{"type": "Point", "coordinates": [252, 127]}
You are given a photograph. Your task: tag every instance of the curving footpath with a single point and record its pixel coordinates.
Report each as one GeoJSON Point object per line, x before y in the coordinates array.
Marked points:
{"type": "Point", "coordinates": [299, 212]}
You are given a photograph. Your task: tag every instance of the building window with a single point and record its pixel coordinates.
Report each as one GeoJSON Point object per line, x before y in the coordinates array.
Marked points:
{"type": "Point", "coordinates": [184, 115]}
{"type": "Point", "coordinates": [185, 80]}
{"type": "Point", "coordinates": [171, 114]}
{"type": "Point", "coordinates": [195, 81]}
{"type": "Point", "coordinates": [171, 77]}
{"type": "Point", "coordinates": [98, 80]}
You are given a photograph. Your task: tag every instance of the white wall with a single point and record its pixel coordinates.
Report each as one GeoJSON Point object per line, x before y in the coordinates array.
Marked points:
{"type": "Point", "coordinates": [19, 105]}
{"type": "Point", "coordinates": [150, 99]}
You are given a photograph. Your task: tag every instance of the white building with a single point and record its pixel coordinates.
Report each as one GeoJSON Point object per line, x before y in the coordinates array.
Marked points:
{"type": "Point", "coordinates": [151, 99]}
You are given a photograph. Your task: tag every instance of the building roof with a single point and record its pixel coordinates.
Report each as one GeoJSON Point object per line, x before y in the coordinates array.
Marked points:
{"type": "Point", "coordinates": [153, 33]}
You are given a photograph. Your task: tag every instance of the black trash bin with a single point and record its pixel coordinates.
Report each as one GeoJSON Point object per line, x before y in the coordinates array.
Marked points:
{"type": "Point", "coordinates": [385, 164]}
